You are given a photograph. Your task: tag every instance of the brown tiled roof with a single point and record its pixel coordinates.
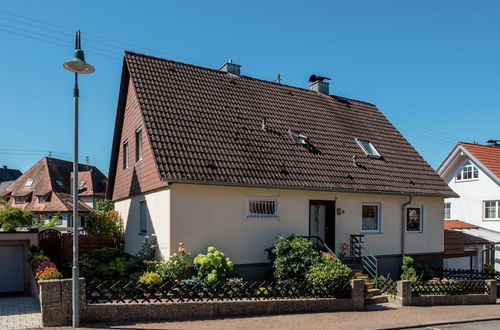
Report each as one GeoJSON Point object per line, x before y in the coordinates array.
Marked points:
{"type": "Point", "coordinates": [205, 127]}
{"type": "Point", "coordinates": [51, 176]}
{"type": "Point", "coordinates": [489, 156]}
{"type": "Point", "coordinates": [458, 224]}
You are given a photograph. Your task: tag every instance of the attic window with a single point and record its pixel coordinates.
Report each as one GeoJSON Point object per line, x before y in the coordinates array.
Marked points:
{"type": "Point", "coordinates": [81, 184]}
{"type": "Point", "coordinates": [368, 148]}
{"type": "Point", "coordinates": [300, 139]}
{"type": "Point", "coordinates": [59, 183]}
{"type": "Point", "coordinates": [467, 172]}
{"type": "Point", "coordinates": [28, 183]}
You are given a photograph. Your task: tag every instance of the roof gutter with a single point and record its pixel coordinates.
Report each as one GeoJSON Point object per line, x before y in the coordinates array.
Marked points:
{"type": "Point", "coordinates": [403, 227]}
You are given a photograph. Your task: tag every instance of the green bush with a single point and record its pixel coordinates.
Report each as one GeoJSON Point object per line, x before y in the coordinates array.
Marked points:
{"type": "Point", "coordinates": [413, 271]}
{"type": "Point", "coordinates": [148, 248]}
{"type": "Point", "coordinates": [291, 258]}
{"type": "Point", "coordinates": [149, 278]}
{"type": "Point", "coordinates": [327, 270]}
{"type": "Point", "coordinates": [107, 264]}
{"type": "Point", "coordinates": [213, 266]}
{"type": "Point", "coordinates": [12, 218]}
{"type": "Point", "coordinates": [37, 260]}
{"type": "Point", "coordinates": [104, 224]}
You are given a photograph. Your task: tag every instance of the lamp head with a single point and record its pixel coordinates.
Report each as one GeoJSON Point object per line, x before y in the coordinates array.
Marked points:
{"type": "Point", "coordinates": [78, 64]}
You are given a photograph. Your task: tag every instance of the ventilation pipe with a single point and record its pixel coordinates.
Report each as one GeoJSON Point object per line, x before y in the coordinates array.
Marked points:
{"type": "Point", "coordinates": [403, 226]}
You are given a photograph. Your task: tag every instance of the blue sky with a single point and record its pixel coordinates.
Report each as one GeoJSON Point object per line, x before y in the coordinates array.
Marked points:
{"type": "Point", "coordinates": [432, 67]}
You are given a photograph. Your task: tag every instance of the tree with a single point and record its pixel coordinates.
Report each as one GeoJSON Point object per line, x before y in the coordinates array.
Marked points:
{"type": "Point", "coordinates": [12, 218]}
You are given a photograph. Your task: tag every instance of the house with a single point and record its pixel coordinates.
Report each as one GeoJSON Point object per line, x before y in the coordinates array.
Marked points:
{"type": "Point", "coordinates": [7, 176]}
{"type": "Point", "coordinates": [473, 172]}
{"type": "Point", "coordinates": [45, 189]}
{"type": "Point", "coordinates": [213, 157]}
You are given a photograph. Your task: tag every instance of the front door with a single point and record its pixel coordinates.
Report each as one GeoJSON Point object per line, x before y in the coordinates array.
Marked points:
{"type": "Point", "coordinates": [322, 221]}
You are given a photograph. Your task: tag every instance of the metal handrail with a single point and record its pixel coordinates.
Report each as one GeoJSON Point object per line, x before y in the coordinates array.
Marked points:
{"type": "Point", "coordinates": [359, 253]}
{"type": "Point", "coordinates": [323, 245]}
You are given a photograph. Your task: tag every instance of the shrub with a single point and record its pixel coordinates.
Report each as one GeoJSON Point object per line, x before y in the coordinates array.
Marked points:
{"type": "Point", "coordinates": [149, 278]}
{"type": "Point", "coordinates": [45, 264]}
{"type": "Point", "coordinates": [49, 273]}
{"type": "Point", "coordinates": [37, 260]}
{"type": "Point", "coordinates": [40, 222]}
{"type": "Point", "coordinates": [148, 248]}
{"type": "Point", "coordinates": [175, 268]}
{"type": "Point", "coordinates": [104, 224]}
{"type": "Point", "coordinates": [413, 271]}
{"type": "Point", "coordinates": [12, 218]}
{"type": "Point", "coordinates": [213, 266]}
{"type": "Point", "coordinates": [292, 257]}
{"type": "Point", "coordinates": [327, 270]}
{"type": "Point", "coordinates": [106, 264]}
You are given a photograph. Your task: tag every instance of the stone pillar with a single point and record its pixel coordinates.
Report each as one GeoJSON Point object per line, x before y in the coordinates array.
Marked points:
{"type": "Point", "coordinates": [55, 301]}
{"type": "Point", "coordinates": [492, 297]}
{"type": "Point", "coordinates": [404, 293]}
{"type": "Point", "coordinates": [358, 293]}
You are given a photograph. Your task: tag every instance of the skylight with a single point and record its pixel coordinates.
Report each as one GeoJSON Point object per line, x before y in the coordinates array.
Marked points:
{"type": "Point", "coordinates": [28, 183]}
{"type": "Point", "coordinates": [368, 148]}
{"type": "Point", "coordinates": [60, 183]}
{"type": "Point", "coordinates": [81, 184]}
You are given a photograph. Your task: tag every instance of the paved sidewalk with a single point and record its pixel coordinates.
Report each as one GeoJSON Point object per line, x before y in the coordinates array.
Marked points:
{"type": "Point", "coordinates": [375, 317]}
{"type": "Point", "coordinates": [19, 313]}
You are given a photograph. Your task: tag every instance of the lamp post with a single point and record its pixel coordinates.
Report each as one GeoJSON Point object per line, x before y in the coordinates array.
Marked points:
{"type": "Point", "coordinates": [76, 65]}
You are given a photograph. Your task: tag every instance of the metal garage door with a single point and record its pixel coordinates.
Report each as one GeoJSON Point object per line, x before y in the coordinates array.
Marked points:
{"type": "Point", "coordinates": [11, 268]}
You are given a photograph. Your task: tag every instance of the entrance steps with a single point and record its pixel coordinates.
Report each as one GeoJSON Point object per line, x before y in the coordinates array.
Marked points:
{"type": "Point", "coordinates": [372, 294]}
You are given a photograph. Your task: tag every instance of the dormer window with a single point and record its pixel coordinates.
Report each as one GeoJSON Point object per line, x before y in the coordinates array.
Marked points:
{"type": "Point", "coordinates": [21, 199]}
{"type": "Point", "coordinates": [368, 148]}
{"type": "Point", "coordinates": [468, 172]}
{"type": "Point", "coordinates": [44, 199]}
{"type": "Point", "coordinates": [28, 183]}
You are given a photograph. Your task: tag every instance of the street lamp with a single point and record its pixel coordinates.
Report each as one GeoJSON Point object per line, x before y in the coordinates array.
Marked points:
{"type": "Point", "coordinates": [76, 65]}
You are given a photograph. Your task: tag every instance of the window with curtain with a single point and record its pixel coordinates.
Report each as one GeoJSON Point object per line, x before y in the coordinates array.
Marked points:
{"type": "Point", "coordinates": [370, 218]}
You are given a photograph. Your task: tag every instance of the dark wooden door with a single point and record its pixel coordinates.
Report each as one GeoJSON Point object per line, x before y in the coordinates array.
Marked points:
{"type": "Point", "coordinates": [322, 221]}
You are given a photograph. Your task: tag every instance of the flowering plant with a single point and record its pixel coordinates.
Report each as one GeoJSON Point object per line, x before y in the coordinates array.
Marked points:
{"type": "Point", "coordinates": [175, 268]}
{"type": "Point", "coordinates": [49, 273]}
{"type": "Point", "coordinates": [45, 264]}
{"type": "Point", "coordinates": [343, 248]}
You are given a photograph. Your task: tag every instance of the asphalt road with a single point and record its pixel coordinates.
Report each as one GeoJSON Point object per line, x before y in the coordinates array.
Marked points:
{"type": "Point", "coordinates": [483, 325]}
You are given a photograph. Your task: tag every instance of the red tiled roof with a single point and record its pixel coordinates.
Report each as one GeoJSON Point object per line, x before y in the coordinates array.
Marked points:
{"type": "Point", "coordinates": [205, 127]}
{"type": "Point", "coordinates": [458, 224]}
{"type": "Point", "coordinates": [489, 156]}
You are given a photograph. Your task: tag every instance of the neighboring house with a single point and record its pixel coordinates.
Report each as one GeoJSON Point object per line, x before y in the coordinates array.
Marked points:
{"type": "Point", "coordinates": [7, 176]}
{"type": "Point", "coordinates": [45, 189]}
{"type": "Point", "coordinates": [473, 172]}
{"type": "Point", "coordinates": [212, 157]}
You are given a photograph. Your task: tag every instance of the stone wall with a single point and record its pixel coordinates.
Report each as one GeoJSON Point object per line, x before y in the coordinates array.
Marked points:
{"type": "Point", "coordinates": [55, 303]}
{"type": "Point", "coordinates": [405, 298]}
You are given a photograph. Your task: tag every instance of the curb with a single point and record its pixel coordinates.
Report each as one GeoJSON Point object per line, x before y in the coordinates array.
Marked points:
{"type": "Point", "coordinates": [430, 324]}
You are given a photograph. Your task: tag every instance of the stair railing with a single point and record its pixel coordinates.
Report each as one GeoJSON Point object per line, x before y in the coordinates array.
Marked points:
{"type": "Point", "coordinates": [322, 246]}
{"type": "Point", "coordinates": [360, 254]}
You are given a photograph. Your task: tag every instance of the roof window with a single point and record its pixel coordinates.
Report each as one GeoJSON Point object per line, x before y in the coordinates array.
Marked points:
{"type": "Point", "coordinates": [81, 184]}
{"type": "Point", "coordinates": [28, 183]}
{"type": "Point", "coordinates": [368, 148]}
{"type": "Point", "coordinates": [59, 183]}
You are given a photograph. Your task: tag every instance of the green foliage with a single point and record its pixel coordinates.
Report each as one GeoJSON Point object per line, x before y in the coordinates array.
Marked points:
{"type": "Point", "coordinates": [327, 270]}
{"type": "Point", "coordinates": [104, 223]}
{"type": "Point", "coordinates": [488, 268]}
{"type": "Point", "coordinates": [12, 218]}
{"type": "Point", "coordinates": [413, 271]}
{"type": "Point", "coordinates": [37, 260]}
{"type": "Point", "coordinates": [40, 222]}
{"type": "Point", "coordinates": [213, 266]}
{"type": "Point", "coordinates": [292, 257]}
{"type": "Point", "coordinates": [149, 278]}
{"type": "Point", "coordinates": [104, 205]}
{"type": "Point", "coordinates": [148, 248]}
{"type": "Point", "coordinates": [175, 268]}
{"type": "Point", "coordinates": [107, 264]}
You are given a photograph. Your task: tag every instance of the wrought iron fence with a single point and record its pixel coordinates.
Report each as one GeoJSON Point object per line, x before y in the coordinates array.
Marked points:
{"type": "Point", "coordinates": [464, 274]}
{"type": "Point", "coordinates": [449, 287]}
{"type": "Point", "coordinates": [387, 285]}
{"type": "Point", "coordinates": [186, 291]}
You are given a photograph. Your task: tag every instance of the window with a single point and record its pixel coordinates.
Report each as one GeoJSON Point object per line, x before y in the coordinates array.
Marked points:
{"type": "Point", "coordinates": [125, 155]}
{"type": "Point", "coordinates": [447, 210]}
{"type": "Point", "coordinates": [20, 199]}
{"type": "Point", "coordinates": [59, 183]}
{"type": "Point", "coordinates": [370, 218]}
{"type": "Point", "coordinates": [467, 172]}
{"type": "Point", "coordinates": [138, 144]}
{"type": "Point", "coordinates": [414, 219]}
{"type": "Point", "coordinates": [28, 183]}
{"type": "Point", "coordinates": [82, 183]}
{"type": "Point", "coordinates": [262, 207]}
{"type": "Point", "coordinates": [492, 210]}
{"type": "Point", "coordinates": [43, 199]}
{"type": "Point", "coordinates": [368, 148]}
{"type": "Point", "coordinates": [143, 228]}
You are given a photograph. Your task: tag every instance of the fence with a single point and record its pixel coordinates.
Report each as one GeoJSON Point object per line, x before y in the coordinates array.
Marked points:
{"type": "Point", "coordinates": [464, 274]}
{"type": "Point", "coordinates": [132, 292]}
{"type": "Point", "coordinates": [449, 287]}
{"type": "Point", "coordinates": [387, 285]}
{"type": "Point", "coordinates": [86, 243]}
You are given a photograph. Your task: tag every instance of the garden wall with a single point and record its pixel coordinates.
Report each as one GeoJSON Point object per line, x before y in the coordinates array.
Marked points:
{"type": "Point", "coordinates": [55, 298]}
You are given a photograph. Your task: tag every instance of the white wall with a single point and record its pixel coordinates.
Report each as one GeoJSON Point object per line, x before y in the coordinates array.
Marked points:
{"type": "Point", "coordinates": [204, 215]}
{"type": "Point", "coordinates": [457, 263]}
{"type": "Point", "coordinates": [158, 220]}
{"type": "Point", "coordinates": [469, 207]}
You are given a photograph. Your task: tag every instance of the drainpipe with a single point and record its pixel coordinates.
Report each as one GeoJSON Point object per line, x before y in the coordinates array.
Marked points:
{"type": "Point", "coordinates": [403, 226]}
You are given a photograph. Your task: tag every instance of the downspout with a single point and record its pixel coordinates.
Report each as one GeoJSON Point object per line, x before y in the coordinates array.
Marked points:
{"type": "Point", "coordinates": [403, 227]}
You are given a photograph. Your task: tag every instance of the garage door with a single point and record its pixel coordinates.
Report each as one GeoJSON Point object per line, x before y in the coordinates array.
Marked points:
{"type": "Point", "coordinates": [11, 268]}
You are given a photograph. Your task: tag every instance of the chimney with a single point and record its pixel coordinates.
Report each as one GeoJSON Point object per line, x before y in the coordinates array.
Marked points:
{"type": "Point", "coordinates": [231, 68]}
{"type": "Point", "coordinates": [5, 167]}
{"type": "Point", "coordinates": [494, 143]}
{"type": "Point", "coordinates": [318, 84]}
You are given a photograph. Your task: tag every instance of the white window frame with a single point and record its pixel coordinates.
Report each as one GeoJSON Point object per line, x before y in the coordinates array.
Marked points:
{"type": "Point", "coordinates": [376, 154]}
{"type": "Point", "coordinates": [138, 144]}
{"type": "Point", "coordinates": [126, 154]}
{"type": "Point", "coordinates": [421, 230]}
{"type": "Point", "coordinates": [274, 199]}
{"type": "Point", "coordinates": [28, 182]}
{"type": "Point", "coordinates": [449, 211]}
{"type": "Point", "coordinates": [462, 170]}
{"type": "Point", "coordinates": [379, 217]}
{"type": "Point", "coordinates": [497, 208]}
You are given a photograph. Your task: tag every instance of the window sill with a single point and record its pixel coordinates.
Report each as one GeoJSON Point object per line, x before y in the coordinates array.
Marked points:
{"type": "Point", "coordinates": [467, 180]}
{"type": "Point", "coordinates": [415, 232]}
{"type": "Point", "coordinates": [142, 233]}
{"type": "Point", "coordinates": [493, 219]}
{"type": "Point", "coordinates": [371, 232]}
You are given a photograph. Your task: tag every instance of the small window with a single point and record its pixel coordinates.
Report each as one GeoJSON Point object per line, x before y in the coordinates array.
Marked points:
{"type": "Point", "coordinates": [262, 207]}
{"type": "Point", "coordinates": [414, 219]}
{"type": "Point", "coordinates": [468, 172]}
{"type": "Point", "coordinates": [138, 144]}
{"type": "Point", "coordinates": [125, 155]}
{"type": "Point", "coordinates": [43, 199]}
{"type": "Point", "coordinates": [492, 210]}
{"type": "Point", "coordinates": [370, 218]}
{"type": "Point", "coordinates": [143, 225]}
{"type": "Point", "coordinates": [368, 148]}
{"type": "Point", "coordinates": [82, 183]}
{"type": "Point", "coordinates": [59, 183]}
{"type": "Point", "coordinates": [28, 183]}
{"type": "Point", "coordinates": [447, 210]}
{"type": "Point", "coordinates": [19, 199]}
